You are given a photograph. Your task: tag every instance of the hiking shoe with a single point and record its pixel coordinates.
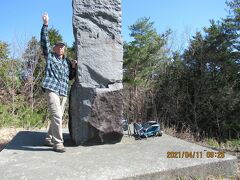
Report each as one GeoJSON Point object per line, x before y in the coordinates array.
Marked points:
{"type": "Point", "coordinates": [48, 142]}
{"type": "Point", "coordinates": [59, 148]}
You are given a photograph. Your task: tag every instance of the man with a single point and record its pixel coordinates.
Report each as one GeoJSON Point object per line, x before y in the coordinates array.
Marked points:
{"type": "Point", "coordinates": [58, 71]}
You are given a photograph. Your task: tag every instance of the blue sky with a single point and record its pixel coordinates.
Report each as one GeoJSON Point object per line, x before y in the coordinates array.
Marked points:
{"type": "Point", "coordinates": [21, 19]}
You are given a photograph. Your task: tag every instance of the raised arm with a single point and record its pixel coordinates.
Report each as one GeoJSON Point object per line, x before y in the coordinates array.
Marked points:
{"type": "Point", "coordinates": [44, 35]}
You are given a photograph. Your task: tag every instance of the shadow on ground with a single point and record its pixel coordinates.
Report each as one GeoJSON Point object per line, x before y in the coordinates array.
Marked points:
{"type": "Point", "coordinates": [33, 141]}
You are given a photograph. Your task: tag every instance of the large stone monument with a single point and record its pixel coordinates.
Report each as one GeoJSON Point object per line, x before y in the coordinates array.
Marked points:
{"type": "Point", "coordinates": [96, 105]}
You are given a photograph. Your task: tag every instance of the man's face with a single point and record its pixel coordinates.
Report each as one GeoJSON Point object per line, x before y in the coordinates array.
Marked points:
{"type": "Point", "coordinates": [59, 49]}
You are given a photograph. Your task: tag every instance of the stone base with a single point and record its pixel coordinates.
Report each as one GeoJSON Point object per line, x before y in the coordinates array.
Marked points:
{"type": "Point", "coordinates": [95, 113]}
{"type": "Point", "coordinates": [26, 158]}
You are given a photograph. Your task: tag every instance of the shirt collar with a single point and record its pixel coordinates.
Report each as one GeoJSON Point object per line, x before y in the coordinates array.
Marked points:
{"type": "Point", "coordinates": [58, 57]}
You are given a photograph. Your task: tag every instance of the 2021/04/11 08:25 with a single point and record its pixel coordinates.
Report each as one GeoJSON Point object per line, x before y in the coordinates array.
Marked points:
{"type": "Point", "coordinates": [195, 154]}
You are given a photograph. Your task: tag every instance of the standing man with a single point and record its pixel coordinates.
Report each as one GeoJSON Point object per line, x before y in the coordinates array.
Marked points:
{"type": "Point", "coordinates": [58, 71]}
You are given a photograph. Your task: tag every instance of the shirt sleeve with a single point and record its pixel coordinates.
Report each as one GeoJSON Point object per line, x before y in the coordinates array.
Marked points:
{"type": "Point", "coordinates": [45, 41]}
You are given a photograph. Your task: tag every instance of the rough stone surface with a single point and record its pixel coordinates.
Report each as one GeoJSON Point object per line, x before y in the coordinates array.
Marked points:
{"type": "Point", "coordinates": [26, 158]}
{"type": "Point", "coordinates": [96, 103]}
{"type": "Point", "coordinates": [107, 121]}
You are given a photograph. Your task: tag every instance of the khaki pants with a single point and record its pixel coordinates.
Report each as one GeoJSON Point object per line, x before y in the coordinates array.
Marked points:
{"type": "Point", "coordinates": [56, 106]}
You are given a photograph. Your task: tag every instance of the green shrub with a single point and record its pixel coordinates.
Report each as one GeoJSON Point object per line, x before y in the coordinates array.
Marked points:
{"type": "Point", "coordinates": [213, 143]}
{"type": "Point", "coordinates": [21, 115]}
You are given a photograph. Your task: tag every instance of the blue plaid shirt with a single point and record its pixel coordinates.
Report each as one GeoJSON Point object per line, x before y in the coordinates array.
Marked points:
{"type": "Point", "coordinates": [58, 71]}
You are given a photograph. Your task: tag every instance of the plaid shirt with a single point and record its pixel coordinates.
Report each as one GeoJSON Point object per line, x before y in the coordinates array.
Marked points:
{"type": "Point", "coordinates": [58, 71]}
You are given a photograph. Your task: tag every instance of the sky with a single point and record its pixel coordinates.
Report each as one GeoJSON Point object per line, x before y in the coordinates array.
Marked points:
{"type": "Point", "coordinates": [22, 19]}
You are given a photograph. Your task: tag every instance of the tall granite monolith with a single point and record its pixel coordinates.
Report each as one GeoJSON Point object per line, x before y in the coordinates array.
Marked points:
{"type": "Point", "coordinates": [96, 105]}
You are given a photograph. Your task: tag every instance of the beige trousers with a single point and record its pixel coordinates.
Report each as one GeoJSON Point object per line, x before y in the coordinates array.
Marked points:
{"type": "Point", "coordinates": [56, 106]}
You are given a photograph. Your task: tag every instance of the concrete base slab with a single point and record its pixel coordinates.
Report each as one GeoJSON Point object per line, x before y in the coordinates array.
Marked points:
{"type": "Point", "coordinates": [163, 157]}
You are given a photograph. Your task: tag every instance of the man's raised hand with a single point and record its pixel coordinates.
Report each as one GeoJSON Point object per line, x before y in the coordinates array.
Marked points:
{"type": "Point", "coordinates": [45, 18]}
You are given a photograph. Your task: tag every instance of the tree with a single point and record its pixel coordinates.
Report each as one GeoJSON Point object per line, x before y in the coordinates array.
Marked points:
{"type": "Point", "coordinates": [142, 58]}
{"type": "Point", "coordinates": [71, 51]}
{"type": "Point", "coordinates": [54, 36]}
{"type": "Point", "coordinates": [143, 53]}
{"type": "Point", "coordinates": [4, 50]}
{"type": "Point", "coordinates": [33, 68]}
{"type": "Point", "coordinates": [199, 89]}
{"type": "Point", "coordinates": [4, 53]}
{"type": "Point", "coordinates": [9, 77]}
{"type": "Point", "coordinates": [209, 84]}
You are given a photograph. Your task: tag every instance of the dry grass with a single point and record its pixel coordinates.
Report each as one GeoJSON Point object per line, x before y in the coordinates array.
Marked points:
{"type": "Point", "coordinates": [6, 135]}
